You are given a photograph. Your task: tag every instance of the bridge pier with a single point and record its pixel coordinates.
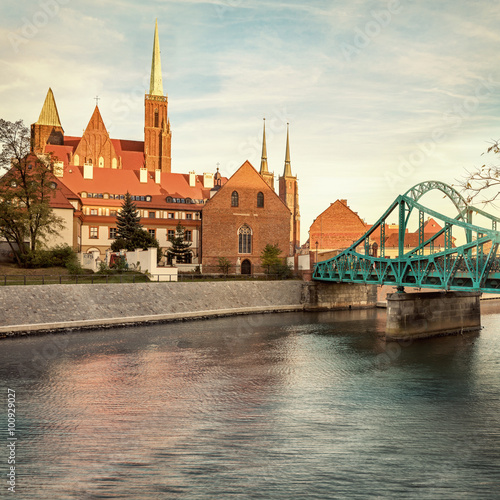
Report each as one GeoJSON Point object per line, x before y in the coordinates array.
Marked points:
{"type": "Point", "coordinates": [430, 314]}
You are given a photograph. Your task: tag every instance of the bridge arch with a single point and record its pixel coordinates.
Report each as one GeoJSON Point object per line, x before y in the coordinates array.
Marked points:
{"type": "Point", "coordinates": [417, 191]}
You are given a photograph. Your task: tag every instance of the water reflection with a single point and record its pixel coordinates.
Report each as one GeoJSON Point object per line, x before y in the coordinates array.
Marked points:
{"type": "Point", "coordinates": [266, 406]}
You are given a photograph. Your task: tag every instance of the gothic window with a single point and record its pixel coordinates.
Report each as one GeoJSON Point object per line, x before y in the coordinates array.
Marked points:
{"type": "Point", "coordinates": [245, 239]}
{"type": "Point", "coordinates": [76, 160]}
{"type": "Point", "coordinates": [101, 162]}
{"type": "Point", "coordinates": [260, 200]}
{"type": "Point", "coordinates": [114, 163]}
{"type": "Point", "coordinates": [156, 119]}
{"type": "Point", "coordinates": [234, 199]}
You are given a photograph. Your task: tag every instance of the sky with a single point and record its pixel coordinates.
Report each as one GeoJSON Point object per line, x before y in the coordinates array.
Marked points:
{"type": "Point", "coordinates": [380, 95]}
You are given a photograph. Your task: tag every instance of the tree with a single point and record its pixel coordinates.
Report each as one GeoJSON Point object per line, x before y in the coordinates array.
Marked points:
{"type": "Point", "coordinates": [128, 219]}
{"type": "Point", "coordinates": [481, 179]}
{"type": "Point", "coordinates": [130, 233]}
{"type": "Point", "coordinates": [180, 248]}
{"type": "Point", "coordinates": [26, 218]}
{"type": "Point", "coordinates": [274, 264]}
{"type": "Point", "coordinates": [223, 264]}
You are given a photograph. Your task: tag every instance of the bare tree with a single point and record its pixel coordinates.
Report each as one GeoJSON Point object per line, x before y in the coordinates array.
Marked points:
{"type": "Point", "coordinates": [26, 188]}
{"type": "Point", "coordinates": [483, 180]}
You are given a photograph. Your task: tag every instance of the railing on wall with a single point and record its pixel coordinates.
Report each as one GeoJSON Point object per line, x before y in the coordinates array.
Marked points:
{"type": "Point", "coordinates": [22, 280]}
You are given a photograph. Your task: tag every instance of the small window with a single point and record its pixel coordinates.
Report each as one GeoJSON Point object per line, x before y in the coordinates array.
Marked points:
{"type": "Point", "coordinates": [94, 233]}
{"type": "Point", "coordinates": [189, 200]}
{"type": "Point", "coordinates": [152, 233]}
{"type": "Point", "coordinates": [148, 198]}
{"type": "Point", "coordinates": [53, 185]}
{"type": "Point", "coordinates": [189, 216]}
{"type": "Point", "coordinates": [112, 233]}
{"type": "Point", "coordinates": [152, 215]}
{"type": "Point", "coordinates": [93, 211]}
{"type": "Point", "coordinates": [84, 194]}
{"type": "Point", "coordinates": [260, 200]}
{"type": "Point", "coordinates": [188, 235]}
{"type": "Point", "coordinates": [170, 234]}
{"type": "Point", "coordinates": [112, 213]}
{"type": "Point", "coordinates": [169, 199]}
{"type": "Point", "coordinates": [234, 199]}
{"type": "Point", "coordinates": [170, 215]}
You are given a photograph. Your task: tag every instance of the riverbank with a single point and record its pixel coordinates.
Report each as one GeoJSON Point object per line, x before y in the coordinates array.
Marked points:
{"type": "Point", "coordinates": [38, 309]}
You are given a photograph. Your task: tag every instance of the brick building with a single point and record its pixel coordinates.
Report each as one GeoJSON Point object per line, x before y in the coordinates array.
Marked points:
{"type": "Point", "coordinates": [243, 217]}
{"type": "Point", "coordinates": [337, 228]}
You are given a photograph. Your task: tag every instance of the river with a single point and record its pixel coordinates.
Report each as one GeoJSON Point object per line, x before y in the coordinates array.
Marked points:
{"type": "Point", "coordinates": [286, 406]}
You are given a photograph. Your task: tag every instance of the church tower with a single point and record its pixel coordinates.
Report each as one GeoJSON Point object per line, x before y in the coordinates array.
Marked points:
{"type": "Point", "coordinates": [289, 194]}
{"type": "Point", "coordinates": [264, 172]}
{"type": "Point", "coordinates": [157, 133]}
{"type": "Point", "coordinates": [47, 129]}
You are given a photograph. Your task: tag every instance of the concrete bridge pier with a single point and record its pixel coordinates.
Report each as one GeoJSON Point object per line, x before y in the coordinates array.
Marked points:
{"type": "Point", "coordinates": [431, 314]}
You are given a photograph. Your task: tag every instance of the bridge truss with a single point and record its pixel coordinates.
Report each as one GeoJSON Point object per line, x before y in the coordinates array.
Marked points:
{"type": "Point", "coordinates": [473, 266]}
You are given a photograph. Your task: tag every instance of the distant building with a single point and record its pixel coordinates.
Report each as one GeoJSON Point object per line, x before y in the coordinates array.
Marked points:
{"type": "Point", "coordinates": [335, 229]}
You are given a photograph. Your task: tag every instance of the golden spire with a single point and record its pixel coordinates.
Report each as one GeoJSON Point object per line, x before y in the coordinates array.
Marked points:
{"type": "Point", "coordinates": [263, 161]}
{"type": "Point", "coordinates": [156, 85]}
{"type": "Point", "coordinates": [49, 114]}
{"type": "Point", "coordinates": [288, 168]}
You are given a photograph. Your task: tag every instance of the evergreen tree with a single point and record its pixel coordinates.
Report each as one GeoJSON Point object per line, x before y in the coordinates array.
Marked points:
{"type": "Point", "coordinates": [180, 248]}
{"type": "Point", "coordinates": [128, 219]}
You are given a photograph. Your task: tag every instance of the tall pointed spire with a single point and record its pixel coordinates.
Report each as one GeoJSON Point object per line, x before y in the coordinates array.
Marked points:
{"type": "Point", "coordinates": [156, 85]}
{"type": "Point", "coordinates": [288, 168]}
{"type": "Point", "coordinates": [263, 161]}
{"type": "Point", "coordinates": [49, 114]}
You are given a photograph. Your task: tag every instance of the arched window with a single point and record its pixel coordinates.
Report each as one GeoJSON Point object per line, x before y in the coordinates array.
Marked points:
{"type": "Point", "coordinates": [245, 239]}
{"type": "Point", "coordinates": [234, 199]}
{"type": "Point", "coordinates": [156, 118]}
{"type": "Point", "coordinates": [101, 162]}
{"type": "Point", "coordinates": [260, 200]}
{"type": "Point", "coordinates": [76, 160]}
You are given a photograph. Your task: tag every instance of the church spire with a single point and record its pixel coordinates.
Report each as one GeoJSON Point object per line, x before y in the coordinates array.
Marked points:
{"type": "Point", "coordinates": [49, 114]}
{"type": "Point", "coordinates": [263, 161]}
{"type": "Point", "coordinates": [156, 85]}
{"type": "Point", "coordinates": [288, 168]}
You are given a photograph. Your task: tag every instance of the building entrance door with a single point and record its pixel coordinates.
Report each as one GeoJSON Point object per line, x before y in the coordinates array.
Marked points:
{"type": "Point", "coordinates": [246, 267]}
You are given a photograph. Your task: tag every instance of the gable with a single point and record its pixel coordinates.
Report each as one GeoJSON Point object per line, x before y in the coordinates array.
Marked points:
{"type": "Point", "coordinates": [247, 182]}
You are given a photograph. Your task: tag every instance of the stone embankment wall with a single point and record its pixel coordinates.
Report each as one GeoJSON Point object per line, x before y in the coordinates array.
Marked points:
{"type": "Point", "coordinates": [26, 309]}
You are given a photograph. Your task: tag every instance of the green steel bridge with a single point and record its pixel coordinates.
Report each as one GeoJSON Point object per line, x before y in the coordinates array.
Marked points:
{"type": "Point", "coordinates": [473, 266]}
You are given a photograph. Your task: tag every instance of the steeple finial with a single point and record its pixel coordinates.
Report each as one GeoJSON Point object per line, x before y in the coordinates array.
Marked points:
{"type": "Point", "coordinates": [263, 161]}
{"type": "Point", "coordinates": [288, 168]}
{"type": "Point", "coordinates": [156, 85]}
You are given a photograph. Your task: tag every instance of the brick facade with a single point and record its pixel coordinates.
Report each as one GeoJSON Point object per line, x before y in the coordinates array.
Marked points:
{"type": "Point", "coordinates": [336, 228]}
{"type": "Point", "coordinates": [221, 222]}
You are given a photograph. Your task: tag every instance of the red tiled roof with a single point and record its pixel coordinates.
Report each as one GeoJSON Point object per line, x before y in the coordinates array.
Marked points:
{"type": "Point", "coordinates": [118, 181]}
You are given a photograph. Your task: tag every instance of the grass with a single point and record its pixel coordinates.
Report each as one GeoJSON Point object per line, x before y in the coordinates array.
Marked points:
{"type": "Point", "coordinates": [10, 275]}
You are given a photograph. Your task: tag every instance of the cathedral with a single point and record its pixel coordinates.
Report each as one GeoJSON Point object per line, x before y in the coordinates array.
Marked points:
{"type": "Point", "coordinates": [223, 218]}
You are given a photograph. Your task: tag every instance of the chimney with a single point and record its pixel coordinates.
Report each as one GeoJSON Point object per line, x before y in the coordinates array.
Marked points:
{"type": "Point", "coordinates": [208, 180]}
{"type": "Point", "coordinates": [88, 171]}
{"type": "Point", "coordinates": [143, 175]}
{"type": "Point", "coordinates": [192, 179]}
{"type": "Point", "coordinates": [58, 169]}
{"type": "Point", "coordinates": [344, 202]}
{"type": "Point", "coordinates": [158, 176]}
